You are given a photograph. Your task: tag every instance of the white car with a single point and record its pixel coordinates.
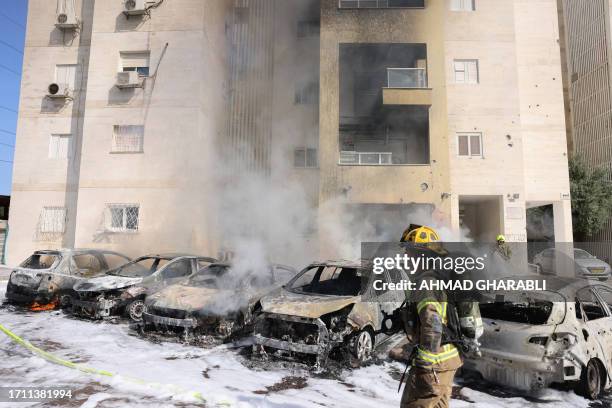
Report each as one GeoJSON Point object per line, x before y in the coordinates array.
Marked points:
{"type": "Point", "coordinates": [585, 265]}
{"type": "Point", "coordinates": [560, 335]}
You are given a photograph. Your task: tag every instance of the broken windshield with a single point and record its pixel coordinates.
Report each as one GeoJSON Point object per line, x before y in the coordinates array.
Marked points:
{"type": "Point", "coordinates": [40, 261]}
{"type": "Point", "coordinates": [327, 280]}
{"type": "Point", "coordinates": [208, 277]}
{"type": "Point", "coordinates": [140, 267]}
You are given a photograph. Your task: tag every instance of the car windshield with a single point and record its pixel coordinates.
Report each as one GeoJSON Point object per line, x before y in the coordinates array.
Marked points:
{"type": "Point", "coordinates": [581, 254]}
{"type": "Point", "coordinates": [40, 261]}
{"type": "Point", "coordinates": [327, 280]}
{"type": "Point", "coordinates": [208, 277]}
{"type": "Point", "coordinates": [140, 267]}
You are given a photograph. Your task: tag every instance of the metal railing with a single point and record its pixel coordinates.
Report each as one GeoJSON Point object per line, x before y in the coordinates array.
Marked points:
{"type": "Point", "coordinates": [366, 158]}
{"type": "Point", "coordinates": [351, 4]}
{"type": "Point", "coordinates": [406, 78]}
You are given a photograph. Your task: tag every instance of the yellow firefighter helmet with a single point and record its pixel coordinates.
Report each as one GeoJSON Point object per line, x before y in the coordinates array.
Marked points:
{"type": "Point", "coordinates": [420, 234]}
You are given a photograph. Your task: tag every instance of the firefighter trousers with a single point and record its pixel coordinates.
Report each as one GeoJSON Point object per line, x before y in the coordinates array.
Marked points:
{"type": "Point", "coordinates": [426, 389]}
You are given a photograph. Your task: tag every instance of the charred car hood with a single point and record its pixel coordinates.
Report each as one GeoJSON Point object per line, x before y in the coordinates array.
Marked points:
{"type": "Point", "coordinates": [189, 298]}
{"type": "Point", "coordinates": [107, 282]}
{"type": "Point", "coordinates": [303, 305]}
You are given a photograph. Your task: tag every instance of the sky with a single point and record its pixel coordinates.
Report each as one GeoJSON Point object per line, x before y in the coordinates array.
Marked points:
{"type": "Point", "coordinates": [13, 17]}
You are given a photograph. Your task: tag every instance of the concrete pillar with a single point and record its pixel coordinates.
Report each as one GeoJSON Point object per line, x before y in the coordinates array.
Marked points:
{"type": "Point", "coordinates": [562, 211]}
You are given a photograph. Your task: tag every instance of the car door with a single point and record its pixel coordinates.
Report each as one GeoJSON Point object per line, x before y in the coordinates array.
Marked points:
{"type": "Point", "coordinates": [598, 321]}
{"type": "Point", "coordinates": [605, 295]}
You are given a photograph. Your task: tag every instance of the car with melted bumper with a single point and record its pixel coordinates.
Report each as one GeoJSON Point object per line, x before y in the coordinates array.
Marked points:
{"type": "Point", "coordinates": [560, 335]}
{"type": "Point", "coordinates": [48, 276]}
{"type": "Point", "coordinates": [123, 290]}
{"type": "Point", "coordinates": [219, 300]}
{"type": "Point", "coordinates": [322, 310]}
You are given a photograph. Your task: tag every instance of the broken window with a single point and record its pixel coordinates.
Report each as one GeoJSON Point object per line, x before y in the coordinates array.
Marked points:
{"type": "Point", "coordinates": [591, 308]}
{"type": "Point", "coordinates": [177, 269]}
{"type": "Point", "coordinates": [60, 146]}
{"type": "Point", "coordinates": [305, 157]}
{"type": "Point", "coordinates": [128, 139]}
{"type": "Point", "coordinates": [373, 133]}
{"type": "Point", "coordinates": [328, 280]}
{"type": "Point", "coordinates": [466, 71]}
{"type": "Point", "coordinates": [606, 296]}
{"type": "Point", "coordinates": [114, 260]}
{"type": "Point", "coordinates": [135, 61]}
{"type": "Point", "coordinates": [53, 220]}
{"type": "Point", "coordinates": [469, 144]}
{"type": "Point", "coordinates": [40, 261]}
{"type": "Point", "coordinates": [463, 5]}
{"type": "Point", "coordinates": [343, 4]}
{"type": "Point", "coordinates": [122, 217]}
{"type": "Point", "coordinates": [86, 265]}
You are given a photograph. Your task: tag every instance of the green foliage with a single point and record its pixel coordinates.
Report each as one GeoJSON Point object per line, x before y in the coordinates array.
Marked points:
{"type": "Point", "coordinates": [591, 198]}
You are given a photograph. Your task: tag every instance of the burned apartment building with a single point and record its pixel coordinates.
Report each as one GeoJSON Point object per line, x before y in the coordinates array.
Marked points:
{"type": "Point", "coordinates": [383, 112]}
{"type": "Point", "coordinates": [587, 61]}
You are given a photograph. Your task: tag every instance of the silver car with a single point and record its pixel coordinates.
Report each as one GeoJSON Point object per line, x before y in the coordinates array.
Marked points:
{"type": "Point", "coordinates": [585, 264]}
{"type": "Point", "coordinates": [48, 276]}
{"type": "Point", "coordinates": [561, 335]}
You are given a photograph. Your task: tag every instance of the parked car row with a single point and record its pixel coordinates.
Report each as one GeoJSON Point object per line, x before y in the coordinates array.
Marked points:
{"type": "Point", "coordinates": [312, 313]}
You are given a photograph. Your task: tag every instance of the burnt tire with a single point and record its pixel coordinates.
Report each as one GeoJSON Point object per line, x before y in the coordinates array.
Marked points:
{"type": "Point", "coordinates": [591, 380]}
{"type": "Point", "coordinates": [362, 346]}
{"type": "Point", "coordinates": [135, 309]}
{"type": "Point", "coordinates": [65, 301]}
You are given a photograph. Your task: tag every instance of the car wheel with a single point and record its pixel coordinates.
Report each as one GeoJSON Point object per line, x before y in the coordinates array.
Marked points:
{"type": "Point", "coordinates": [590, 380]}
{"type": "Point", "coordinates": [362, 346]}
{"type": "Point", "coordinates": [65, 301]}
{"type": "Point", "coordinates": [135, 310]}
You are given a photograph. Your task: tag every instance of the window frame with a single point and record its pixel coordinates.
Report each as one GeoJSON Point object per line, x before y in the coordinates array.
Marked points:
{"type": "Point", "coordinates": [124, 218]}
{"type": "Point", "coordinates": [61, 222]}
{"type": "Point", "coordinates": [70, 87]}
{"type": "Point", "coordinates": [123, 55]}
{"type": "Point", "coordinates": [378, 7]}
{"type": "Point", "coordinates": [68, 147]}
{"type": "Point", "coordinates": [306, 150]}
{"type": "Point", "coordinates": [139, 148]}
{"type": "Point", "coordinates": [469, 136]}
{"type": "Point", "coordinates": [463, 2]}
{"type": "Point", "coordinates": [466, 70]}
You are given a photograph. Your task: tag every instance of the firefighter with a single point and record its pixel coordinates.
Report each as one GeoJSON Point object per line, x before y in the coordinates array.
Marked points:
{"type": "Point", "coordinates": [502, 248]}
{"type": "Point", "coordinates": [438, 329]}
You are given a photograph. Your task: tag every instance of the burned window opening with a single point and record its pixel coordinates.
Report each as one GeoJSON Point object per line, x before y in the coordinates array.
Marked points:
{"type": "Point", "coordinates": [372, 132]}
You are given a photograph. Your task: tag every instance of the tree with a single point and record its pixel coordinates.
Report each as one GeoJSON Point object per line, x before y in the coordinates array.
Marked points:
{"type": "Point", "coordinates": [591, 192]}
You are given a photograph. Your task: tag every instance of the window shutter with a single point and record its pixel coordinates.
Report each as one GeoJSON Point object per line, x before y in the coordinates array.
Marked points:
{"type": "Point", "coordinates": [65, 76]}
{"type": "Point", "coordinates": [463, 145]}
{"type": "Point", "coordinates": [135, 59]}
{"type": "Point", "coordinates": [475, 145]}
{"type": "Point", "coordinates": [472, 68]}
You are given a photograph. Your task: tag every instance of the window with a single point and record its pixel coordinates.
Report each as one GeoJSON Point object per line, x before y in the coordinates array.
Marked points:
{"type": "Point", "coordinates": [381, 4]}
{"type": "Point", "coordinates": [591, 307]}
{"type": "Point", "coordinates": [60, 146]}
{"type": "Point", "coordinates": [128, 139]}
{"type": "Point", "coordinates": [307, 29]}
{"type": "Point", "coordinates": [87, 265]}
{"type": "Point", "coordinates": [466, 71]}
{"type": "Point", "coordinates": [463, 5]}
{"type": "Point", "coordinates": [135, 61]}
{"type": "Point", "coordinates": [113, 260]}
{"type": "Point", "coordinates": [65, 77]}
{"type": "Point", "coordinates": [53, 219]}
{"type": "Point", "coordinates": [307, 93]}
{"type": "Point", "coordinates": [469, 144]}
{"type": "Point", "coordinates": [123, 217]}
{"type": "Point", "coordinates": [177, 269]}
{"type": "Point", "coordinates": [305, 157]}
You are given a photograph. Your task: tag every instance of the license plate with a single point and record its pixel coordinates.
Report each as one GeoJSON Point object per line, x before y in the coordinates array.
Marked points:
{"type": "Point", "coordinates": [597, 270]}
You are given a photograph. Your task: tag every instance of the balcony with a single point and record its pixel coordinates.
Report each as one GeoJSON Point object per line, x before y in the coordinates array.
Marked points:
{"type": "Point", "coordinates": [366, 158]}
{"type": "Point", "coordinates": [380, 4]}
{"type": "Point", "coordinates": [406, 86]}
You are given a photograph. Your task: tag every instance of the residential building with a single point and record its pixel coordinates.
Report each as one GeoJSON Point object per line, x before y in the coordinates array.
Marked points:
{"type": "Point", "coordinates": [380, 112]}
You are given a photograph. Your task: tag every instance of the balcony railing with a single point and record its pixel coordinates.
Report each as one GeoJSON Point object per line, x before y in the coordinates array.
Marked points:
{"type": "Point", "coordinates": [406, 78]}
{"type": "Point", "coordinates": [365, 158]}
{"type": "Point", "coordinates": [351, 4]}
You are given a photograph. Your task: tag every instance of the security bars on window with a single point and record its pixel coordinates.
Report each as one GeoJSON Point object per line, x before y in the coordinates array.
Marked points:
{"type": "Point", "coordinates": [128, 139]}
{"type": "Point", "coordinates": [122, 217]}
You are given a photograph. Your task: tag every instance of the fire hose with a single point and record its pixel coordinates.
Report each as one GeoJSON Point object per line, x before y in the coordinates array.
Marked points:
{"type": "Point", "coordinates": [56, 360]}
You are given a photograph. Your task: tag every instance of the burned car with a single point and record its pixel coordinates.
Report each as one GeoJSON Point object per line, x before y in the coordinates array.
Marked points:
{"type": "Point", "coordinates": [218, 300]}
{"type": "Point", "coordinates": [560, 335]}
{"type": "Point", "coordinates": [122, 291]}
{"type": "Point", "coordinates": [321, 311]}
{"type": "Point", "coordinates": [47, 277]}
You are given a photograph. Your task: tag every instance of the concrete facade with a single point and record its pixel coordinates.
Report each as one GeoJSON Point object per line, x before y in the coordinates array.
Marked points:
{"type": "Point", "coordinates": [261, 81]}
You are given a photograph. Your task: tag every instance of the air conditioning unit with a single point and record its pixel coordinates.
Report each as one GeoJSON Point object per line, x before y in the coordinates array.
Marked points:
{"type": "Point", "coordinates": [55, 91]}
{"type": "Point", "coordinates": [134, 7]}
{"type": "Point", "coordinates": [66, 21]}
{"type": "Point", "coordinates": [129, 79]}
